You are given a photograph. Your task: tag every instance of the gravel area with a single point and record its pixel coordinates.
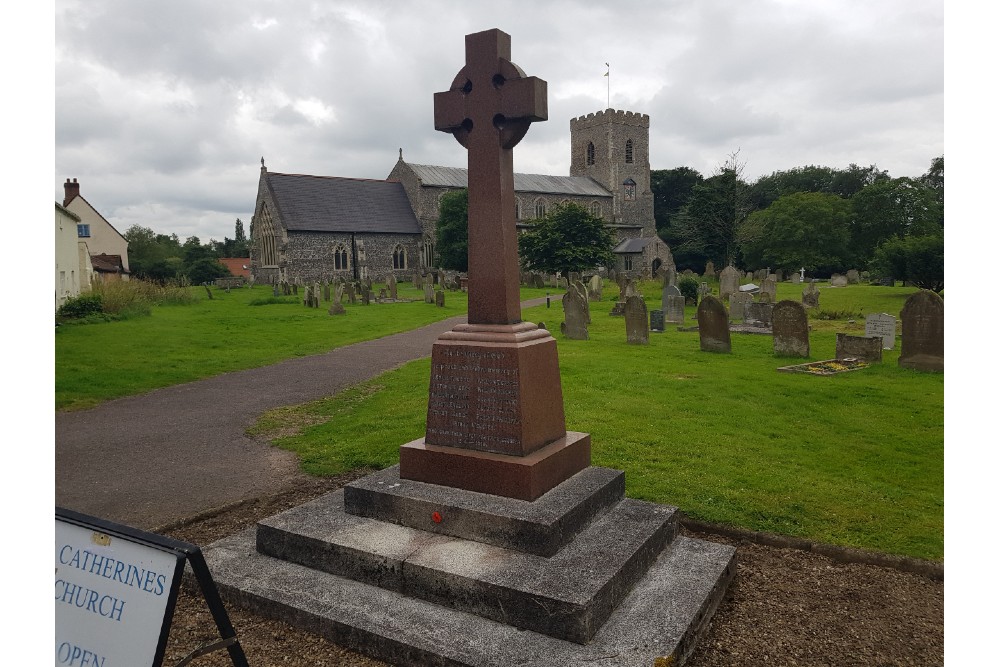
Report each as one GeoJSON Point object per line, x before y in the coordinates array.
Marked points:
{"type": "Point", "coordinates": [786, 607]}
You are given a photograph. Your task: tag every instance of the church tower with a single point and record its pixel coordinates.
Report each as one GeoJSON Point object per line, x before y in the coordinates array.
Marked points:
{"type": "Point", "coordinates": [612, 147]}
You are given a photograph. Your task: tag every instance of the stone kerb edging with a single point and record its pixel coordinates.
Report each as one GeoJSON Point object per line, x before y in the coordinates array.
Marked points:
{"type": "Point", "coordinates": [925, 568]}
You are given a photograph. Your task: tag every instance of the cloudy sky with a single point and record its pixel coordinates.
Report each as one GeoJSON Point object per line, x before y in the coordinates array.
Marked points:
{"type": "Point", "coordinates": [163, 111]}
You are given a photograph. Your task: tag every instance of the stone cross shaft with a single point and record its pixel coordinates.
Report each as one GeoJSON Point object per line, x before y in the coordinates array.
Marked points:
{"type": "Point", "coordinates": [488, 109]}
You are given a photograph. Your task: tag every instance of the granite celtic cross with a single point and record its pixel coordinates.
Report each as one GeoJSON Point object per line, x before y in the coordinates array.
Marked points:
{"type": "Point", "coordinates": [488, 109]}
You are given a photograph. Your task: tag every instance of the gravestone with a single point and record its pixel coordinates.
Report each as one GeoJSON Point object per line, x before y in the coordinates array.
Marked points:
{"type": "Point", "coordinates": [577, 314]}
{"type": "Point", "coordinates": [326, 291]}
{"type": "Point", "coordinates": [595, 290]}
{"type": "Point", "coordinates": [779, 275]}
{"type": "Point", "coordinates": [922, 346]}
{"type": "Point", "coordinates": [810, 295]}
{"type": "Point", "coordinates": [881, 325]}
{"type": "Point", "coordinates": [887, 282]}
{"type": "Point", "coordinates": [738, 305]}
{"type": "Point", "coordinates": [713, 325]}
{"type": "Point", "coordinates": [636, 321]}
{"type": "Point", "coordinates": [668, 291]}
{"type": "Point", "coordinates": [656, 321]}
{"type": "Point", "coordinates": [393, 290]}
{"type": "Point", "coordinates": [382, 295]}
{"type": "Point", "coordinates": [790, 327]}
{"type": "Point", "coordinates": [626, 288]}
{"type": "Point", "coordinates": [765, 297]}
{"type": "Point", "coordinates": [439, 298]}
{"type": "Point", "coordinates": [458, 555]}
{"type": "Point", "coordinates": [796, 279]}
{"type": "Point", "coordinates": [276, 291]}
{"type": "Point", "coordinates": [428, 292]}
{"type": "Point", "coordinates": [859, 347]}
{"type": "Point", "coordinates": [729, 282]}
{"type": "Point", "coordinates": [366, 294]}
{"type": "Point", "coordinates": [838, 280]}
{"type": "Point", "coordinates": [709, 269]}
{"type": "Point", "coordinates": [295, 287]}
{"type": "Point", "coordinates": [670, 277]}
{"type": "Point", "coordinates": [770, 287]}
{"type": "Point", "coordinates": [674, 311]}
{"type": "Point", "coordinates": [759, 313]}
{"type": "Point", "coordinates": [853, 277]}
{"type": "Point", "coordinates": [418, 280]}
{"type": "Point", "coordinates": [352, 296]}
{"type": "Point", "coordinates": [307, 297]}
{"type": "Point", "coordinates": [704, 290]}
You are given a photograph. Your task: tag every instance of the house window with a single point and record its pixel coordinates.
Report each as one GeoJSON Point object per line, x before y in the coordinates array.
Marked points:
{"type": "Point", "coordinates": [595, 209]}
{"type": "Point", "coordinates": [399, 257]}
{"type": "Point", "coordinates": [83, 231]}
{"type": "Point", "coordinates": [590, 153]}
{"type": "Point", "coordinates": [340, 258]}
{"type": "Point", "coordinates": [628, 262]}
{"type": "Point", "coordinates": [629, 187]}
{"type": "Point", "coordinates": [540, 209]}
{"type": "Point", "coordinates": [628, 152]}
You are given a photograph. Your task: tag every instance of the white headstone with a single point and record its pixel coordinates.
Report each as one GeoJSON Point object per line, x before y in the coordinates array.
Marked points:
{"type": "Point", "coordinates": [881, 325]}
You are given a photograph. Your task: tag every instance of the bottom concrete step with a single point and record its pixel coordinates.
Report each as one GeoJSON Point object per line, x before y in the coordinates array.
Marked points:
{"type": "Point", "coordinates": [662, 617]}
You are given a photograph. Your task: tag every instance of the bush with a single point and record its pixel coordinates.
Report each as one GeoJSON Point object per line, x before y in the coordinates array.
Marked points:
{"type": "Point", "coordinates": [689, 288]}
{"type": "Point", "coordinates": [79, 307]}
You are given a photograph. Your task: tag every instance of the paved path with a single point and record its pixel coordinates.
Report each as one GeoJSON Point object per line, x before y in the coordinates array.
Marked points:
{"type": "Point", "coordinates": [154, 459]}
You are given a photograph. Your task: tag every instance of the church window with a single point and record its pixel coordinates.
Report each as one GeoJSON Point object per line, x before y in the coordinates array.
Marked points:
{"type": "Point", "coordinates": [629, 189]}
{"type": "Point", "coordinates": [517, 209]}
{"type": "Point", "coordinates": [628, 262]}
{"type": "Point", "coordinates": [428, 252]}
{"type": "Point", "coordinates": [340, 258]}
{"type": "Point", "coordinates": [399, 257]}
{"type": "Point", "coordinates": [595, 209]}
{"type": "Point", "coordinates": [540, 208]}
{"type": "Point", "coordinates": [628, 152]}
{"type": "Point", "coordinates": [590, 153]}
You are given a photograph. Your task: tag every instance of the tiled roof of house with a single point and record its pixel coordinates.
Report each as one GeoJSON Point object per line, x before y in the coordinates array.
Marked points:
{"type": "Point", "coordinates": [238, 266]}
{"type": "Point", "coordinates": [107, 263]}
{"type": "Point", "coordinates": [332, 204]}
{"type": "Point", "coordinates": [456, 177]}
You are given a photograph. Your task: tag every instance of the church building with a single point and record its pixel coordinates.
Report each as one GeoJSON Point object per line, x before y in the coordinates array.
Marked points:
{"type": "Point", "coordinates": [310, 228]}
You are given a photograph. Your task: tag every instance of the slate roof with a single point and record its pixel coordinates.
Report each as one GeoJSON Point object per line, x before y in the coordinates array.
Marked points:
{"type": "Point", "coordinates": [107, 263]}
{"type": "Point", "coordinates": [332, 204]}
{"type": "Point", "coordinates": [633, 245]}
{"type": "Point", "coordinates": [456, 177]}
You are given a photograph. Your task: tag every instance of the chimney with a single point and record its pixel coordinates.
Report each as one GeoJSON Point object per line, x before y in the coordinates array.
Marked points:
{"type": "Point", "coordinates": [72, 191]}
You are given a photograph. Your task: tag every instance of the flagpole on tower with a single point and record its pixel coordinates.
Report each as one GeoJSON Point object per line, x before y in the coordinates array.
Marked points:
{"type": "Point", "coordinates": [608, 74]}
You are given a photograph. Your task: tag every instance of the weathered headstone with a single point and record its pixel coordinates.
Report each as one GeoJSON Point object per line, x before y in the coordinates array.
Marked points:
{"type": "Point", "coordinates": [326, 291]}
{"type": "Point", "coordinates": [418, 280]}
{"type": "Point", "coordinates": [636, 321]}
{"type": "Point", "coordinates": [595, 290]}
{"type": "Point", "coordinates": [709, 269]}
{"type": "Point", "coordinates": [765, 297]}
{"type": "Point", "coordinates": [276, 291]}
{"type": "Point", "coordinates": [796, 279]}
{"type": "Point", "coordinates": [887, 282]}
{"type": "Point", "coordinates": [922, 346]}
{"type": "Point", "coordinates": [668, 291]}
{"type": "Point", "coordinates": [713, 325]}
{"type": "Point", "coordinates": [704, 290]}
{"type": "Point", "coordinates": [428, 292]}
{"type": "Point", "coordinates": [670, 276]}
{"type": "Point", "coordinates": [729, 282]}
{"type": "Point", "coordinates": [738, 305]}
{"type": "Point", "coordinates": [307, 297]}
{"type": "Point", "coordinates": [577, 314]}
{"type": "Point", "coordinates": [393, 290]}
{"type": "Point", "coordinates": [656, 321]}
{"type": "Point", "coordinates": [770, 287]}
{"type": "Point", "coordinates": [810, 295]}
{"type": "Point", "coordinates": [853, 277]}
{"type": "Point", "coordinates": [366, 294]}
{"type": "Point", "coordinates": [790, 327]}
{"type": "Point", "coordinates": [759, 313]}
{"type": "Point", "coordinates": [881, 325]}
{"type": "Point", "coordinates": [674, 312]}
{"type": "Point", "coordinates": [779, 275]}
{"type": "Point", "coordinates": [439, 298]}
{"type": "Point", "coordinates": [838, 280]}
{"type": "Point", "coordinates": [859, 347]}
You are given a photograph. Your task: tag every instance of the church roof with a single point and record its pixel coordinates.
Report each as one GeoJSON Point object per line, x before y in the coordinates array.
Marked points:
{"type": "Point", "coordinates": [633, 245]}
{"type": "Point", "coordinates": [456, 177]}
{"type": "Point", "coordinates": [332, 204]}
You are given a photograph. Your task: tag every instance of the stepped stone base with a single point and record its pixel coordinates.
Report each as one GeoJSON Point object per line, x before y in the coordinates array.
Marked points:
{"type": "Point", "coordinates": [580, 575]}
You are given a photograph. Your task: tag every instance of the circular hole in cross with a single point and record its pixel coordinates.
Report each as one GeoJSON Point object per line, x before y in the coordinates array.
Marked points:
{"type": "Point", "coordinates": [499, 120]}
{"type": "Point", "coordinates": [467, 88]}
{"type": "Point", "coordinates": [498, 80]}
{"type": "Point", "coordinates": [467, 125]}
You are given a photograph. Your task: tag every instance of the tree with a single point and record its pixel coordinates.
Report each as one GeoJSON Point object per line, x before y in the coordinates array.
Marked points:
{"type": "Point", "coordinates": [898, 207]}
{"type": "Point", "coordinates": [453, 231]}
{"type": "Point", "coordinates": [149, 253]}
{"type": "Point", "coordinates": [205, 269]}
{"type": "Point", "coordinates": [671, 191]}
{"type": "Point", "coordinates": [918, 259]}
{"type": "Point", "coordinates": [706, 226]}
{"type": "Point", "coordinates": [568, 238]}
{"type": "Point", "coordinates": [802, 229]}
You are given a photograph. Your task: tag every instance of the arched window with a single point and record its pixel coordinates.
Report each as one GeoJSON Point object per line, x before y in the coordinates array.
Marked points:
{"type": "Point", "coordinates": [399, 257]}
{"type": "Point", "coordinates": [428, 255]}
{"type": "Point", "coordinates": [539, 208]}
{"type": "Point", "coordinates": [340, 258]}
{"type": "Point", "coordinates": [628, 262]}
{"type": "Point", "coordinates": [268, 238]}
{"type": "Point", "coordinates": [590, 153]}
{"type": "Point", "coordinates": [595, 209]}
{"type": "Point", "coordinates": [628, 152]}
{"type": "Point", "coordinates": [517, 209]}
{"type": "Point", "coordinates": [629, 189]}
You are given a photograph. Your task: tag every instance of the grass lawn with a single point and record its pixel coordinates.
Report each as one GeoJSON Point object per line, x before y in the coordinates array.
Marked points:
{"type": "Point", "coordinates": [855, 459]}
{"type": "Point", "coordinates": [182, 343]}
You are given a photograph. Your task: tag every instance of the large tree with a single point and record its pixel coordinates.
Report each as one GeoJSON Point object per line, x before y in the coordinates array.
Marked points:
{"type": "Point", "coordinates": [568, 238]}
{"type": "Point", "coordinates": [802, 229]}
{"type": "Point", "coordinates": [706, 226]}
{"type": "Point", "coordinates": [918, 259]}
{"type": "Point", "coordinates": [898, 207]}
{"type": "Point", "coordinates": [671, 191]}
{"type": "Point", "coordinates": [453, 231]}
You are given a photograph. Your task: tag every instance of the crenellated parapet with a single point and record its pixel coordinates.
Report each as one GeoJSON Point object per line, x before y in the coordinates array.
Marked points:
{"type": "Point", "coordinates": [617, 116]}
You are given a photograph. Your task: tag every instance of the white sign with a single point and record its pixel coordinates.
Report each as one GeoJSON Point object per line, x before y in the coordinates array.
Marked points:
{"type": "Point", "coordinates": [112, 597]}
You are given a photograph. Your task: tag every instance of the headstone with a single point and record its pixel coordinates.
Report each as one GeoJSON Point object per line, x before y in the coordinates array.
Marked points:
{"type": "Point", "coordinates": [675, 309]}
{"type": "Point", "coordinates": [796, 279]}
{"type": "Point", "coordinates": [887, 282]}
{"type": "Point", "coordinates": [729, 282]}
{"type": "Point", "coordinates": [881, 325]}
{"type": "Point", "coordinates": [577, 314]}
{"type": "Point", "coordinates": [713, 325]}
{"type": "Point", "coordinates": [704, 290]}
{"type": "Point", "coordinates": [668, 291]}
{"type": "Point", "coordinates": [307, 297]}
{"type": "Point", "coordinates": [853, 277]}
{"type": "Point", "coordinates": [636, 321]}
{"type": "Point", "coordinates": [802, 274]}
{"type": "Point", "coordinates": [810, 295]}
{"type": "Point", "coordinates": [779, 275]}
{"type": "Point", "coordinates": [765, 297]}
{"type": "Point", "coordinates": [738, 305]}
{"type": "Point", "coordinates": [418, 280]}
{"type": "Point", "coordinates": [352, 296]}
{"type": "Point", "coordinates": [790, 327]}
{"type": "Point", "coordinates": [366, 295]}
{"type": "Point", "coordinates": [859, 347]}
{"type": "Point", "coordinates": [595, 290]}
{"type": "Point", "coordinates": [326, 291]}
{"type": "Point", "coordinates": [393, 290]}
{"type": "Point", "coordinates": [670, 277]}
{"type": "Point", "coordinates": [922, 346]}
{"type": "Point", "coordinates": [656, 321]}
{"type": "Point", "coordinates": [759, 314]}
{"type": "Point", "coordinates": [382, 294]}
{"type": "Point", "coordinates": [428, 292]}
{"type": "Point", "coordinates": [276, 291]}
{"type": "Point", "coordinates": [770, 287]}
{"type": "Point", "coordinates": [838, 280]}
{"type": "Point", "coordinates": [337, 308]}
{"type": "Point", "coordinates": [709, 269]}
{"type": "Point", "coordinates": [439, 298]}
